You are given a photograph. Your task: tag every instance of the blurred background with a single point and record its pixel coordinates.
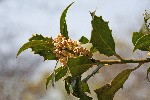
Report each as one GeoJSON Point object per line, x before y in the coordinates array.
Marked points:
{"type": "Point", "coordinates": [23, 78]}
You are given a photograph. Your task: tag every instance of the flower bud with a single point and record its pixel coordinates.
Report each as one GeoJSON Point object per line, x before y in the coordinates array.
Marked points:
{"type": "Point", "coordinates": [64, 49]}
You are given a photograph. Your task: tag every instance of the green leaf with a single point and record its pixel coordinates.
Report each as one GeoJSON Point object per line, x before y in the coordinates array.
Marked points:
{"type": "Point", "coordinates": [39, 37]}
{"type": "Point", "coordinates": [83, 40]}
{"type": "Point", "coordinates": [45, 52]}
{"type": "Point", "coordinates": [30, 45]}
{"type": "Point", "coordinates": [63, 25]}
{"type": "Point", "coordinates": [93, 49]}
{"type": "Point", "coordinates": [145, 29]}
{"type": "Point", "coordinates": [148, 71]}
{"type": "Point", "coordinates": [143, 43]}
{"type": "Point", "coordinates": [140, 39]}
{"type": "Point", "coordinates": [79, 90]}
{"type": "Point", "coordinates": [108, 91]}
{"type": "Point", "coordinates": [58, 74]}
{"type": "Point", "coordinates": [78, 66]}
{"type": "Point", "coordinates": [84, 86]}
{"type": "Point", "coordinates": [40, 45]}
{"type": "Point", "coordinates": [77, 87]}
{"type": "Point", "coordinates": [146, 17]}
{"type": "Point", "coordinates": [67, 85]}
{"type": "Point", "coordinates": [135, 37]}
{"type": "Point", "coordinates": [101, 36]}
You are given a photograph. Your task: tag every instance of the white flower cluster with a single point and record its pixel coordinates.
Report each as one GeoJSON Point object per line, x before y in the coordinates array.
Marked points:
{"type": "Point", "coordinates": [67, 48]}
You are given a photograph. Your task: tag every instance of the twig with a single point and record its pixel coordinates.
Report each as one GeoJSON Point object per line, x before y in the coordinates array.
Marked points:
{"type": "Point", "coordinates": [110, 62]}
{"type": "Point", "coordinates": [97, 69]}
{"type": "Point", "coordinates": [93, 73]}
{"type": "Point", "coordinates": [138, 66]}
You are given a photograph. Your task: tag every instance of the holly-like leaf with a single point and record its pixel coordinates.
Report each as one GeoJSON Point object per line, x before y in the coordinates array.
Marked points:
{"type": "Point", "coordinates": [58, 74]}
{"type": "Point", "coordinates": [101, 36]}
{"type": "Point", "coordinates": [140, 39]}
{"type": "Point", "coordinates": [63, 25]}
{"type": "Point", "coordinates": [145, 27]}
{"type": "Point", "coordinates": [148, 71]}
{"type": "Point", "coordinates": [83, 40]}
{"type": "Point", "coordinates": [30, 45]}
{"type": "Point", "coordinates": [80, 89]}
{"type": "Point", "coordinates": [84, 86]}
{"type": "Point", "coordinates": [44, 50]}
{"type": "Point", "coordinates": [146, 17]}
{"type": "Point", "coordinates": [135, 37]}
{"type": "Point", "coordinates": [40, 45]}
{"type": "Point", "coordinates": [108, 91]}
{"type": "Point", "coordinates": [143, 43]}
{"type": "Point", "coordinates": [39, 37]}
{"type": "Point", "coordinates": [78, 66]}
{"type": "Point", "coordinates": [75, 86]}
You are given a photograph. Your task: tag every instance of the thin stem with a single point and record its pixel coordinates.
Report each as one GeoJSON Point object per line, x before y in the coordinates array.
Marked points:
{"type": "Point", "coordinates": [53, 75]}
{"type": "Point", "coordinates": [93, 73]}
{"type": "Point", "coordinates": [97, 69]}
{"type": "Point", "coordinates": [110, 62]}
{"type": "Point", "coordinates": [138, 66]}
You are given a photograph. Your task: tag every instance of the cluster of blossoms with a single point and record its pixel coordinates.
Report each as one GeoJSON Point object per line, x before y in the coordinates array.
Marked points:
{"type": "Point", "coordinates": [67, 48]}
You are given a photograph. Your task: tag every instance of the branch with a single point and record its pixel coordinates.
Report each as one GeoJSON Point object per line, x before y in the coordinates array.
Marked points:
{"type": "Point", "coordinates": [138, 66]}
{"type": "Point", "coordinates": [93, 73]}
{"type": "Point", "coordinates": [110, 62]}
{"type": "Point", "coordinates": [97, 69]}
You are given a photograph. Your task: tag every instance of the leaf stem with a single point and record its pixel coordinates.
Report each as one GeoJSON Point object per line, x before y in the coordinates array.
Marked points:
{"type": "Point", "coordinates": [118, 56]}
{"type": "Point", "coordinates": [93, 73]}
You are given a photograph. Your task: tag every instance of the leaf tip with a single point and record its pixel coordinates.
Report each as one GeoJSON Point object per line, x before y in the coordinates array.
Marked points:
{"type": "Point", "coordinates": [16, 56]}
{"type": "Point", "coordinates": [93, 13]}
{"type": "Point", "coordinates": [18, 53]}
{"type": "Point", "coordinates": [107, 22]}
{"type": "Point", "coordinates": [134, 49]}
